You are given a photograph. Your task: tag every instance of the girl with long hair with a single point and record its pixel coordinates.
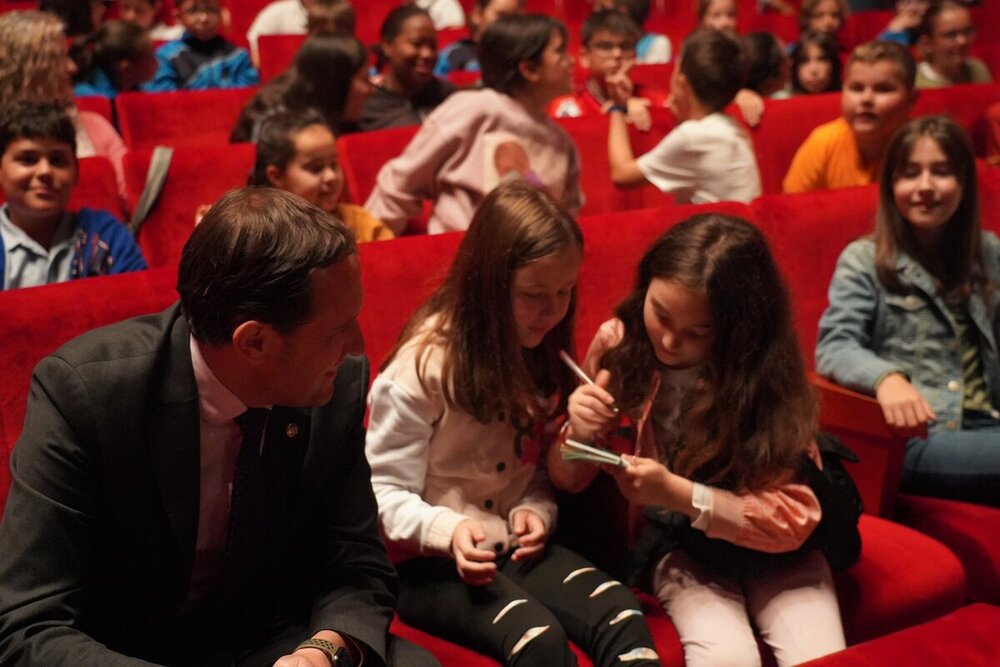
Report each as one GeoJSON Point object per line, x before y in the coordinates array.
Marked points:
{"type": "Point", "coordinates": [815, 65]}
{"type": "Point", "coordinates": [914, 314]}
{"type": "Point", "coordinates": [329, 74]}
{"type": "Point", "coordinates": [700, 369]}
{"type": "Point", "coordinates": [461, 416]}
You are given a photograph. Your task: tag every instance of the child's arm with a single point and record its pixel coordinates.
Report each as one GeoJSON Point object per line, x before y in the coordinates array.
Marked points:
{"type": "Point", "coordinates": [844, 350]}
{"type": "Point", "coordinates": [774, 520]}
{"type": "Point", "coordinates": [404, 182]}
{"type": "Point", "coordinates": [624, 167]}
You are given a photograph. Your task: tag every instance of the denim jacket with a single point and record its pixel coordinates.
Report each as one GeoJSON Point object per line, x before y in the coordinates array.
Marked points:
{"type": "Point", "coordinates": [868, 332]}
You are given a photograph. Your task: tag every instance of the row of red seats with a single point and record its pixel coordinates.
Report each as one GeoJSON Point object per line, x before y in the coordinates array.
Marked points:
{"type": "Point", "coordinates": [806, 232]}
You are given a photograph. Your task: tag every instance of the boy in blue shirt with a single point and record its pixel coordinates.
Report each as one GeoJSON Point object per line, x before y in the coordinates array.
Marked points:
{"type": "Point", "coordinates": [202, 58]}
{"type": "Point", "coordinates": [42, 242]}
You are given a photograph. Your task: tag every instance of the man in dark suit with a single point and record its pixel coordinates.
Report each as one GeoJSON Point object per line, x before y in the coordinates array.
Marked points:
{"type": "Point", "coordinates": [191, 487]}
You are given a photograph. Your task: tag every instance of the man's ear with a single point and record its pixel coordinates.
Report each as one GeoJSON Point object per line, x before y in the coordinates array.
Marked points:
{"type": "Point", "coordinates": [254, 340]}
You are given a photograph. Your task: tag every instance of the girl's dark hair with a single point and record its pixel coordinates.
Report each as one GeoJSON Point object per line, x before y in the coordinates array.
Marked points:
{"type": "Point", "coordinates": [765, 59]}
{"type": "Point", "coordinates": [828, 47]}
{"type": "Point", "coordinates": [486, 369]}
{"type": "Point", "coordinates": [956, 261]}
{"type": "Point", "coordinates": [75, 15]}
{"type": "Point", "coordinates": [35, 120]}
{"type": "Point", "coordinates": [393, 25]}
{"type": "Point", "coordinates": [319, 78]}
{"type": "Point", "coordinates": [102, 50]}
{"type": "Point", "coordinates": [275, 143]}
{"type": "Point", "coordinates": [511, 40]}
{"type": "Point", "coordinates": [750, 415]}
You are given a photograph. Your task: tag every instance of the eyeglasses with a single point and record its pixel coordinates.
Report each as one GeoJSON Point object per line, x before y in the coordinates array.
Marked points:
{"type": "Point", "coordinates": [605, 47]}
{"type": "Point", "coordinates": [207, 11]}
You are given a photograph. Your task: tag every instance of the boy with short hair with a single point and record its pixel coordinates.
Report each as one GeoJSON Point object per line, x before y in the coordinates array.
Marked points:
{"type": "Point", "coordinates": [608, 51]}
{"type": "Point", "coordinates": [40, 241]}
{"type": "Point", "coordinates": [462, 55]}
{"type": "Point", "coordinates": [708, 156]}
{"type": "Point", "coordinates": [202, 58]}
{"type": "Point", "coordinates": [876, 100]}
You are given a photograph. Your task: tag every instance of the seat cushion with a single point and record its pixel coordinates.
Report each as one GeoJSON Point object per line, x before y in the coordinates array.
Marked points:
{"type": "Point", "coordinates": [971, 531]}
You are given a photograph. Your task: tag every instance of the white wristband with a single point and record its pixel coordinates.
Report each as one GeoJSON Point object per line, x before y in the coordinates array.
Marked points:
{"type": "Point", "coordinates": [701, 499]}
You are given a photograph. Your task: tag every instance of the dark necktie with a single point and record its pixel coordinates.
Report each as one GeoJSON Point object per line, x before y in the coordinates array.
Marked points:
{"type": "Point", "coordinates": [248, 502]}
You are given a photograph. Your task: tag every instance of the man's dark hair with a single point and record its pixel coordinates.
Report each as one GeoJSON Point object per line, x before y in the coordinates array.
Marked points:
{"type": "Point", "coordinates": [715, 66]}
{"type": "Point", "coordinates": [35, 120]}
{"type": "Point", "coordinates": [251, 258]}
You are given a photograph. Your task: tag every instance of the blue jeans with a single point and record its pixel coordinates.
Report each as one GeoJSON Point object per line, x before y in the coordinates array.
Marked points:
{"type": "Point", "coordinates": [961, 465]}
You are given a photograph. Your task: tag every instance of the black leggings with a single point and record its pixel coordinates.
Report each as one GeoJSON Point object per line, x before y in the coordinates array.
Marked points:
{"type": "Point", "coordinates": [526, 614]}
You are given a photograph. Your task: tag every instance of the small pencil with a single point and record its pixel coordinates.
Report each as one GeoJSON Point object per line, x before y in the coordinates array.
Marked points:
{"type": "Point", "coordinates": [568, 360]}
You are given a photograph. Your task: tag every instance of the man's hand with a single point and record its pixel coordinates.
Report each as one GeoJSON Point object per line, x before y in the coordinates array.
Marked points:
{"type": "Point", "coordinates": [531, 534]}
{"type": "Point", "coordinates": [475, 565]}
{"type": "Point", "coordinates": [904, 407]}
{"type": "Point", "coordinates": [312, 657]}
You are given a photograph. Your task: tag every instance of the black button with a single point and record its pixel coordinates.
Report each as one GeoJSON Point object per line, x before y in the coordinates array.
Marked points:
{"type": "Point", "coordinates": [501, 466]}
{"type": "Point", "coordinates": [488, 504]}
{"type": "Point", "coordinates": [498, 547]}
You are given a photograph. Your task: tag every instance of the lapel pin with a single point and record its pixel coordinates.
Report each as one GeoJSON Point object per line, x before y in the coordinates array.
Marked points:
{"type": "Point", "coordinates": [292, 430]}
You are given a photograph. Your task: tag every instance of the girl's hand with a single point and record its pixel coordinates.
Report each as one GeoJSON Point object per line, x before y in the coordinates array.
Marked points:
{"type": "Point", "coordinates": [904, 407]}
{"type": "Point", "coordinates": [751, 106]}
{"type": "Point", "coordinates": [591, 408]}
{"type": "Point", "coordinates": [531, 534]}
{"type": "Point", "coordinates": [644, 481]}
{"type": "Point", "coordinates": [475, 565]}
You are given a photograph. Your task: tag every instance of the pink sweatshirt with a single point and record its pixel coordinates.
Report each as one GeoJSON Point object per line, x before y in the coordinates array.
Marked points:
{"type": "Point", "coordinates": [450, 160]}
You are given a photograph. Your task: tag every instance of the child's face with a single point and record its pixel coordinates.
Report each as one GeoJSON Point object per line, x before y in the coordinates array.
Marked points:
{"type": "Point", "coordinates": [554, 72]}
{"type": "Point", "coordinates": [481, 18]}
{"type": "Point", "coordinates": [411, 56]}
{"type": "Point", "coordinates": [826, 18]}
{"type": "Point", "coordinates": [201, 18]}
{"type": "Point", "coordinates": [875, 102]}
{"type": "Point", "coordinates": [607, 53]}
{"type": "Point", "coordinates": [721, 15]}
{"type": "Point", "coordinates": [140, 12]}
{"type": "Point", "coordinates": [314, 172]}
{"type": "Point", "coordinates": [133, 73]}
{"type": "Point", "coordinates": [678, 321]}
{"type": "Point", "coordinates": [361, 88]}
{"type": "Point", "coordinates": [947, 47]}
{"type": "Point", "coordinates": [815, 72]}
{"type": "Point", "coordinates": [37, 176]}
{"type": "Point", "coordinates": [540, 294]}
{"type": "Point", "coordinates": [680, 94]}
{"type": "Point", "coordinates": [927, 190]}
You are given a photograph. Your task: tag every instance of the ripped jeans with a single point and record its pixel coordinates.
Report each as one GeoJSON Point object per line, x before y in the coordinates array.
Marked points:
{"type": "Point", "coordinates": [526, 615]}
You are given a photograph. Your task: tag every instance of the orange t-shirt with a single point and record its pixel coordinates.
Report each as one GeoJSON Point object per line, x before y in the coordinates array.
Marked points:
{"type": "Point", "coordinates": [828, 159]}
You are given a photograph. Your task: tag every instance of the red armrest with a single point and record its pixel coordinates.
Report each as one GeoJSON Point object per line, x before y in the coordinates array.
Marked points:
{"type": "Point", "coordinates": [857, 420]}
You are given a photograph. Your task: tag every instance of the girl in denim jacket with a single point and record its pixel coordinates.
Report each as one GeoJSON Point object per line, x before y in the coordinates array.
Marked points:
{"type": "Point", "coordinates": [702, 359]}
{"type": "Point", "coordinates": [913, 315]}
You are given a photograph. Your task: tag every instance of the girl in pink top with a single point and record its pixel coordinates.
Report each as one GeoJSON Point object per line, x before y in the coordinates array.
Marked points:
{"type": "Point", "coordinates": [703, 359]}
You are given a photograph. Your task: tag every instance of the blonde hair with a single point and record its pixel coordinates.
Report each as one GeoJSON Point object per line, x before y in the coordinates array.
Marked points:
{"type": "Point", "coordinates": [33, 55]}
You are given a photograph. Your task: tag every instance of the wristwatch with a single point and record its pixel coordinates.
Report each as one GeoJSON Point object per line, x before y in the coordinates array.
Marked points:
{"type": "Point", "coordinates": [337, 655]}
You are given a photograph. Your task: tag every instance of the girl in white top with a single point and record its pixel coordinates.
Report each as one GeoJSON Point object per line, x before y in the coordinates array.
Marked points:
{"type": "Point", "coordinates": [461, 417]}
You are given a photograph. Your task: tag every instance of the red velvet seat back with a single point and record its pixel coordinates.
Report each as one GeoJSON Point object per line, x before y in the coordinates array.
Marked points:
{"type": "Point", "coordinates": [363, 154]}
{"type": "Point", "coordinates": [276, 53]}
{"type": "Point", "coordinates": [966, 104]}
{"type": "Point", "coordinates": [97, 104]}
{"type": "Point", "coordinates": [196, 177]}
{"type": "Point", "coordinates": [184, 118]}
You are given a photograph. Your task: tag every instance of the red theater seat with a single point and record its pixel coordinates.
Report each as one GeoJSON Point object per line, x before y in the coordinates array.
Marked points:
{"type": "Point", "coordinates": [276, 53]}
{"type": "Point", "coordinates": [96, 104]}
{"type": "Point", "coordinates": [197, 176]}
{"type": "Point", "coordinates": [195, 118]}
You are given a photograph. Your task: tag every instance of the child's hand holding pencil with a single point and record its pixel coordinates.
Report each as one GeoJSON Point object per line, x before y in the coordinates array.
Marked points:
{"type": "Point", "coordinates": [592, 411]}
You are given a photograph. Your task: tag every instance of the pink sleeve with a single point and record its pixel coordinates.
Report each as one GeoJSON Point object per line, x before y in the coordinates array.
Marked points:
{"type": "Point", "coordinates": [107, 143]}
{"type": "Point", "coordinates": [774, 520]}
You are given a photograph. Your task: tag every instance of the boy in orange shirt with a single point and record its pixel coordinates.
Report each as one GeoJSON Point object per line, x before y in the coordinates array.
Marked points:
{"type": "Point", "coordinates": [876, 100]}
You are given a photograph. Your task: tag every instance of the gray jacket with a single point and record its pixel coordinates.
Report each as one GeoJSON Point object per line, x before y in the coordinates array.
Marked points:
{"type": "Point", "coordinates": [868, 332]}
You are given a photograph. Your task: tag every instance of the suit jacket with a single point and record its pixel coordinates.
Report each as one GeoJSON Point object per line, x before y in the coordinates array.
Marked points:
{"type": "Point", "coordinates": [98, 538]}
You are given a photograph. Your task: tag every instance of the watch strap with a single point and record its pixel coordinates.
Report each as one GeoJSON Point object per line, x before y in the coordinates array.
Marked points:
{"type": "Point", "coordinates": [337, 655]}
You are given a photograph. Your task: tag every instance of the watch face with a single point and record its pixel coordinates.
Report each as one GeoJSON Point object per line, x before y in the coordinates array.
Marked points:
{"type": "Point", "coordinates": [342, 658]}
